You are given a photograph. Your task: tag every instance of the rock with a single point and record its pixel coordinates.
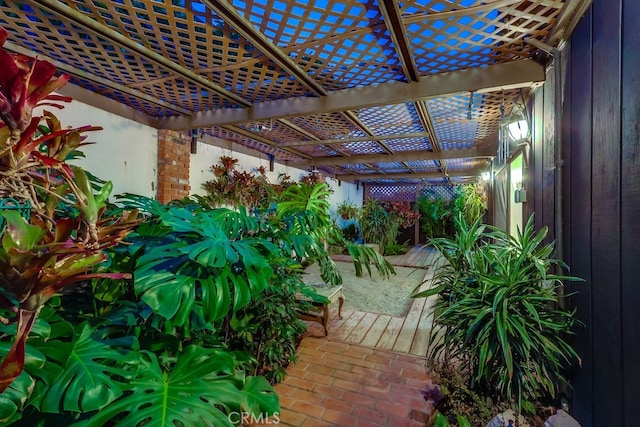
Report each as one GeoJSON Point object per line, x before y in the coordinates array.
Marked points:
{"type": "Point", "coordinates": [508, 416]}
{"type": "Point", "coordinates": [561, 419]}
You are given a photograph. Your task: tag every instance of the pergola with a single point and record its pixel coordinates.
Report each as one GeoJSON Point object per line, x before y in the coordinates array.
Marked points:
{"type": "Point", "coordinates": [399, 96]}
{"type": "Point", "coordinates": [374, 91]}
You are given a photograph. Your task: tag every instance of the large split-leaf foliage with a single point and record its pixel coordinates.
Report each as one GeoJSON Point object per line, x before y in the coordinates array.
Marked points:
{"type": "Point", "coordinates": [205, 322]}
{"type": "Point", "coordinates": [186, 324]}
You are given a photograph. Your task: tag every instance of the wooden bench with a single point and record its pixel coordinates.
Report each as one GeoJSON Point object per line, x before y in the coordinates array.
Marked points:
{"type": "Point", "coordinates": [320, 311]}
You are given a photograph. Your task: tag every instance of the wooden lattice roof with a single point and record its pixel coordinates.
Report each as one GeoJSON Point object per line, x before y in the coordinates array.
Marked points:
{"type": "Point", "coordinates": [367, 90]}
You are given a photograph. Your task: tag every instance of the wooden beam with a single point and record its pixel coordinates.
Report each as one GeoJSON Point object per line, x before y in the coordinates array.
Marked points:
{"type": "Point", "coordinates": [427, 124]}
{"type": "Point", "coordinates": [567, 21]}
{"type": "Point", "coordinates": [393, 20]}
{"type": "Point", "coordinates": [353, 118]}
{"type": "Point", "coordinates": [419, 175]}
{"type": "Point", "coordinates": [402, 156]}
{"type": "Point", "coordinates": [264, 140]}
{"type": "Point", "coordinates": [121, 40]}
{"type": "Point", "coordinates": [96, 79]}
{"type": "Point", "coordinates": [112, 106]}
{"type": "Point", "coordinates": [508, 75]}
{"type": "Point", "coordinates": [230, 15]}
{"type": "Point", "coordinates": [354, 139]}
{"type": "Point", "coordinates": [307, 134]}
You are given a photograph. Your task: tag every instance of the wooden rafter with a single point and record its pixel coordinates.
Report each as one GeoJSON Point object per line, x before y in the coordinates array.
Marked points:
{"type": "Point", "coordinates": [427, 124]}
{"type": "Point", "coordinates": [307, 134]}
{"type": "Point", "coordinates": [568, 19]}
{"type": "Point", "coordinates": [353, 118]}
{"type": "Point", "coordinates": [419, 175]}
{"type": "Point", "coordinates": [97, 79]}
{"type": "Point", "coordinates": [227, 12]}
{"type": "Point", "coordinates": [249, 134]}
{"type": "Point", "coordinates": [118, 39]}
{"type": "Point", "coordinates": [398, 157]}
{"type": "Point", "coordinates": [355, 139]}
{"type": "Point", "coordinates": [504, 76]}
{"type": "Point", "coordinates": [393, 20]}
{"type": "Point", "coordinates": [230, 15]}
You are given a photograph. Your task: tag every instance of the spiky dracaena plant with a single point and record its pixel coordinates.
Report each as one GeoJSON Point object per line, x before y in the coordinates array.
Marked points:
{"type": "Point", "coordinates": [42, 254]}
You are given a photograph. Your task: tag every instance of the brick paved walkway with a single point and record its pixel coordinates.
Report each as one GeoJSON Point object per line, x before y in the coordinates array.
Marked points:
{"type": "Point", "coordinates": [339, 384]}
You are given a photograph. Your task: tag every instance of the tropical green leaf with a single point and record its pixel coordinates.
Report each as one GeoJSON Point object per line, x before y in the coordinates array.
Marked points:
{"type": "Point", "coordinates": [168, 294]}
{"type": "Point", "coordinates": [216, 298]}
{"type": "Point", "coordinates": [498, 306]}
{"type": "Point", "coordinates": [258, 396]}
{"type": "Point", "coordinates": [200, 389]}
{"type": "Point", "coordinates": [13, 399]}
{"type": "Point", "coordinates": [84, 374]}
{"type": "Point", "coordinates": [441, 421]}
{"type": "Point", "coordinates": [19, 234]}
{"type": "Point", "coordinates": [462, 421]}
{"type": "Point", "coordinates": [211, 252]}
{"type": "Point", "coordinates": [303, 197]}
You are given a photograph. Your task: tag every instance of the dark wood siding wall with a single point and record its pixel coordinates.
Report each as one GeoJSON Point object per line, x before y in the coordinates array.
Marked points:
{"type": "Point", "coordinates": [601, 203]}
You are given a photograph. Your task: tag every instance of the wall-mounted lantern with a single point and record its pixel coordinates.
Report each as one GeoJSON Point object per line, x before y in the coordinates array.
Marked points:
{"type": "Point", "coordinates": [517, 124]}
{"type": "Point", "coordinates": [519, 194]}
{"type": "Point", "coordinates": [193, 148]}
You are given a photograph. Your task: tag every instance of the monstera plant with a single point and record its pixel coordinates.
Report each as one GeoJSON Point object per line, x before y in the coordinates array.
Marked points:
{"type": "Point", "coordinates": [109, 361]}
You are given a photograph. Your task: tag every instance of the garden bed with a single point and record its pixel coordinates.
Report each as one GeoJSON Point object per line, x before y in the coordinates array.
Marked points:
{"type": "Point", "coordinates": [373, 294]}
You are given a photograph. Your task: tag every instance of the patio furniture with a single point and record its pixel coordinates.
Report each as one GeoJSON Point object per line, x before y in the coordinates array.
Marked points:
{"type": "Point", "coordinates": [320, 311]}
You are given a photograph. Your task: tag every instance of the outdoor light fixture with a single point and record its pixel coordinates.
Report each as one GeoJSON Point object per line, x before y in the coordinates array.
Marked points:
{"type": "Point", "coordinates": [519, 194]}
{"type": "Point", "coordinates": [260, 127]}
{"type": "Point", "coordinates": [486, 176]}
{"type": "Point", "coordinates": [194, 141]}
{"type": "Point", "coordinates": [517, 123]}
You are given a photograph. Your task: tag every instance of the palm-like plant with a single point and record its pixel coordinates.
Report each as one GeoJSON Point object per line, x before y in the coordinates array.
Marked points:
{"type": "Point", "coordinates": [377, 225]}
{"type": "Point", "coordinates": [499, 311]}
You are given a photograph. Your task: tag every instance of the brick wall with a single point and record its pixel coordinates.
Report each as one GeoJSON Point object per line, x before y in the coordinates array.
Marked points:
{"type": "Point", "coordinates": [173, 165]}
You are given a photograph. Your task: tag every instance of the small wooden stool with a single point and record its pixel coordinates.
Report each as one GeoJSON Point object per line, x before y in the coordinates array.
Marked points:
{"type": "Point", "coordinates": [321, 312]}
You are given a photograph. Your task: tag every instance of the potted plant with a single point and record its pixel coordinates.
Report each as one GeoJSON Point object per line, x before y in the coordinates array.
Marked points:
{"type": "Point", "coordinates": [378, 227]}
{"type": "Point", "coordinates": [347, 210]}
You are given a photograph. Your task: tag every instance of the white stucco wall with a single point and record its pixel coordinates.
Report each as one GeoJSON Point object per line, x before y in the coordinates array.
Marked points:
{"type": "Point", "coordinates": [209, 155]}
{"type": "Point", "coordinates": [126, 154]}
{"type": "Point", "coordinates": [125, 151]}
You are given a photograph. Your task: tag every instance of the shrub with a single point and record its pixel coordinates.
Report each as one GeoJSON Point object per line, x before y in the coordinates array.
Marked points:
{"type": "Point", "coordinates": [377, 225]}
{"type": "Point", "coordinates": [350, 232]}
{"type": "Point", "coordinates": [500, 313]}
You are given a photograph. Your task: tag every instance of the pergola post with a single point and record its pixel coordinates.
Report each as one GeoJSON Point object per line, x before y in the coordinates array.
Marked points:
{"type": "Point", "coordinates": [173, 165]}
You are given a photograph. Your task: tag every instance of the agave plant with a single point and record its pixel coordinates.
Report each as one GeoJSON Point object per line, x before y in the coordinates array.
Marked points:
{"type": "Point", "coordinates": [42, 254]}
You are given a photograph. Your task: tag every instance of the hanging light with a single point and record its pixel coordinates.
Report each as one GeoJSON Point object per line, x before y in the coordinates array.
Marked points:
{"type": "Point", "coordinates": [517, 124]}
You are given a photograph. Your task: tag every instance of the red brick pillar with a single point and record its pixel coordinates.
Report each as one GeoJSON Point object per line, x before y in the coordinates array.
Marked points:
{"type": "Point", "coordinates": [173, 165]}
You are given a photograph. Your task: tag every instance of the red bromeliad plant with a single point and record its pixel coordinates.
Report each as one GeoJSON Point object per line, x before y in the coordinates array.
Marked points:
{"type": "Point", "coordinates": [42, 254]}
{"type": "Point", "coordinates": [402, 211]}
